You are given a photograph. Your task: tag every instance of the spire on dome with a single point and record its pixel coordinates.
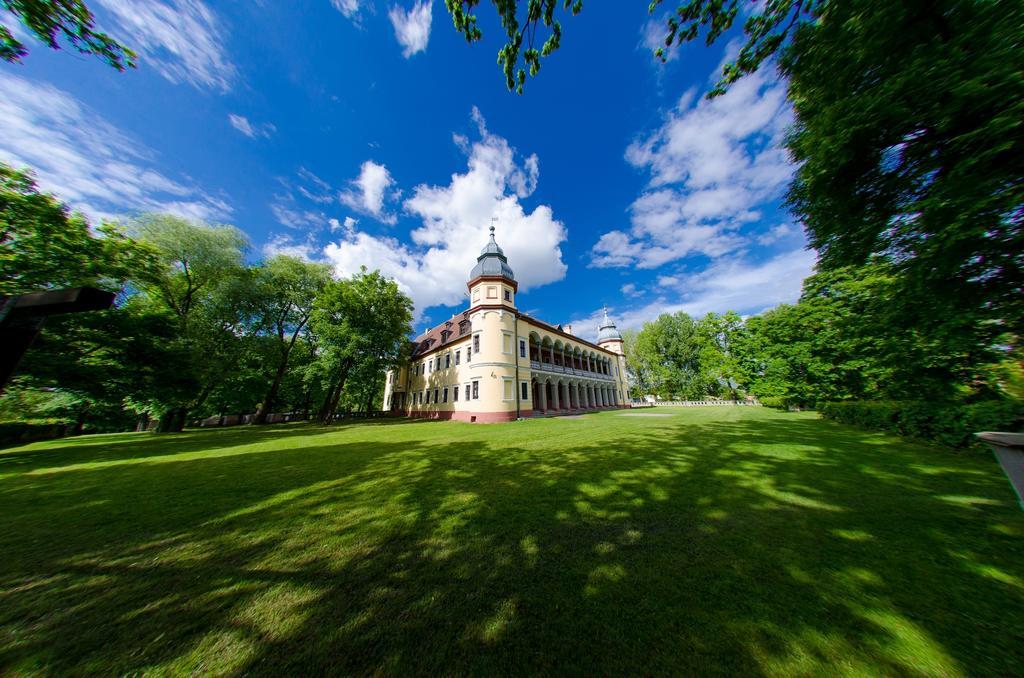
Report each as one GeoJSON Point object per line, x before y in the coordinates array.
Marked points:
{"type": "Point", "coordinates": [492, 260]}
{"type": "Point", "coordinates": [608, 332]}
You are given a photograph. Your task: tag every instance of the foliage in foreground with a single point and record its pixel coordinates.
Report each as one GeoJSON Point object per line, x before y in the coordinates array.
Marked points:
{"type": "Point", "coordinates": [53, 20]}
{"type": "Point", "coordinates": [950, 424]}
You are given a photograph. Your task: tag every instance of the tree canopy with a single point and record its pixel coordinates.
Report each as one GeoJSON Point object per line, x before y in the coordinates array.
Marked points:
{"type": "Point", "coordinates": [55, 20]}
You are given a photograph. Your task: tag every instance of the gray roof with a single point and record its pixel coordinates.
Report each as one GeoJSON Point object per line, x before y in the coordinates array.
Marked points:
{"type": "Point", "coordinates": [608, 330]}
{"type": "Point", "coordinates": [492, 261]}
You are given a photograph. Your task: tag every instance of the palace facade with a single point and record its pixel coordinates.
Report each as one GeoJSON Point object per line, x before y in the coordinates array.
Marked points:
{"type": "Point", "coordinates": [494, 363]}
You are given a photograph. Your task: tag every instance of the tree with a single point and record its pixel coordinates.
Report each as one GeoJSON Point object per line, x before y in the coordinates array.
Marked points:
{"type": "Point", "coordinates": [50, 20]}
{"type": "Point", "coordinates": [666, 353]}
{"type": "Point", "coordinates": [203, 284]}
{"type": "Point", "coordinates": [361, 324]}
{"type": "Point", "coordinates": [720, 367]}
{"type": "Point", "coordinates": [519, 27]}
{"type": "Point", "coordinates": [287, 290]}
{"type": "Point", "coordinates": [43, 245]}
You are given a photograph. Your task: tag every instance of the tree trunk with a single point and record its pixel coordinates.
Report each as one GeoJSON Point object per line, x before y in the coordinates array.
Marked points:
{"type": "Point", "coordinates": [172, 420]}
{"type": "Point", "coordinates": [268, 401]}
{"type": "Point", "coordinates": [331, 404]}
{"type": "Point", "coordinates": [142, 423]}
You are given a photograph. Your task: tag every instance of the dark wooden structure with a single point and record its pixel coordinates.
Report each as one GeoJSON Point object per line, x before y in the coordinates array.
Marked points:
{"type": "Point", "coordinates": [22, 317]}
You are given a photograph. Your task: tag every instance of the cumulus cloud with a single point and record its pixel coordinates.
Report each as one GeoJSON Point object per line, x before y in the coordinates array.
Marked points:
{"type": "Point", "coordinates": [369, 192]}
{"type": "Point", "coordinates": [181, 39]}
{"type": "Point", "coordinates": [249, 129]}
{"type": "Point", "coordinates": [433, 269]}
{"type": "Point", "coordinates": [86, 161]}
{"type": "Point", "coordinates": [412, 27]}
{"type": "Point", "coordinates": [727, 285]}
{"type": "Point", "coordinates": [712, 165]}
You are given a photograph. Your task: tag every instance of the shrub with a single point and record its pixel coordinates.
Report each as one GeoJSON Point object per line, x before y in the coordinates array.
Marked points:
{"type": "Point", "coordinates": [952, 424]}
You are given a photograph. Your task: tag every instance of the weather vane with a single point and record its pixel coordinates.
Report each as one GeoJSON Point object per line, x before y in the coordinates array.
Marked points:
{"type": "Point", "coordinates": [493, 221]}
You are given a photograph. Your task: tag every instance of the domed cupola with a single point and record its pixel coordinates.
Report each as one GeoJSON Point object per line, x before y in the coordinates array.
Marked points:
{"type": "Point", "coordinates": [492, 262]}
{"type": "Point", "coordinates": [608, 330]}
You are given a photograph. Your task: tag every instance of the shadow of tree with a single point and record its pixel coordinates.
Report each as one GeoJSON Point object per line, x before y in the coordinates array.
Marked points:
{"type": "Point", "coordinates": [732, 542]}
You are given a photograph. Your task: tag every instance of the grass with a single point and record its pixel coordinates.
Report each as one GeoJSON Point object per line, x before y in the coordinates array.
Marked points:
{"type": "Point", "coordinates": [717, 540]}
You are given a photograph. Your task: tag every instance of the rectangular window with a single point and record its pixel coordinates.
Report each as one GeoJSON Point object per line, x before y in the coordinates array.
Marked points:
{"type": "Point", "coordinates": [469, 355]}
{"type": "Point", "coordinates": [436, 393]}
{"type": "Point", "coordinates": [526, 391]}
{"type": "Point", "coordinates": [428, 397]}
{"type": "Point", "coordinates": [508, 295]}
{"type": "Point", "coordinates": [522, 348]}
{"type": "Point", "coordinates": [445, 395]}
{"type": "Point", "coordinates": [447, 360]}
{"type": "Point", "coordinates": [476, 343]}
{"type": "Point", "coordinates": [506, 343]}
{"type": "Point", "coordinates": [476, 390]}
{"type": "Point", "coordinates": [455, 394]}
{"type": "Point", "coordinates": [458, 357]}
{"type": "Point", "coordinates": [508, 389]}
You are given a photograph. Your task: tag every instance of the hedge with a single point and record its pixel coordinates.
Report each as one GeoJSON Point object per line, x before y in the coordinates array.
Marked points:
{"type": "Point", "coordinates": [952, 424]}
{"type": "Point", "coordinates": [12, 432]}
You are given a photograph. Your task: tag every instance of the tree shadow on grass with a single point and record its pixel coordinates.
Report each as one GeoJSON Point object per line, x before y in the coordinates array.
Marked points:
{"type": "Point", "coordinates": [766, 546]}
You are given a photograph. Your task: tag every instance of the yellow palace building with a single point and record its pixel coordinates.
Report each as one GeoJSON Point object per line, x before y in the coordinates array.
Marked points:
{"type": "Point", "coordinates": [494, 363]}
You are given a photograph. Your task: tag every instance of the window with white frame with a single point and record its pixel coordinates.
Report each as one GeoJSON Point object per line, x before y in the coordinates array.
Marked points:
{"type": "Point", "coordinates": [476, 389]}
{"type": "Point", "coordinates": [506, 343]}
{"type": "Point", "coordinates": [508, 389]}
{"type": "Point", "coordinates": [476, 343]}
{"type": "Point", "coordinates": [525, 391]}
{"type": "Point", "coordinates": [445, 395]}
{"type": "Point", "coordinates": [447, 360]}
{"type": "Point", "coordinates": [522, 348]}
{"type": "Point", "coordinates": [458, 357]}
{"type": "Point", "coordinates": [436, 393]}
{"type": "Point", "coordinates": [455, 394]}
{"type": "Point", "coordinates": [428, 396]}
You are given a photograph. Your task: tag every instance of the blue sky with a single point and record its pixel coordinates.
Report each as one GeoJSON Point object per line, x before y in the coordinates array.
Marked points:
{"type": "Point", "coordinates": [369, 133]}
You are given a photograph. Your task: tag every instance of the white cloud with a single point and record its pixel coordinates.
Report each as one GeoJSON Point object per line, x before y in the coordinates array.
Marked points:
{"type": "Point", "coordinates": [85, 160]}
{"type": "Point", "coordinates": [652, 36]}
{"type": "Point", "coordinates": [435, 267]}
{"type": "Point", "coordinates": [289, 214]}
{"type": "Point", "coordinates": [727, 285]}
{"type": "Point", "coordinates": [776, 233]}
{"type": "Point", "coordinates": [242, 124]}
{"type": "Point", "coordinates": [370, 190]}
{"type": "Point", "coordinates": [412, 28]}
{"type": "Point", "coordinates": [712, 165]}
{"type": "Point", "coordinates": [182, 39]}
{"type": "Point", "coordinates": [352, 9]}
{"type": "Point", "coordinates": [283, 244]}
{"type": "Point", "coordinates": [630, 290]}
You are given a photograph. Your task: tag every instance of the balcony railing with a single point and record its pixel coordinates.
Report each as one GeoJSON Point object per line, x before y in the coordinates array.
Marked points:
{"type": "Point", "coordinates": [559, 369]}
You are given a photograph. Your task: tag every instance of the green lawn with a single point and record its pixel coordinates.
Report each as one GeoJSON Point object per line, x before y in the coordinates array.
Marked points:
{"type": "Point", "coordinates": [731, 540]}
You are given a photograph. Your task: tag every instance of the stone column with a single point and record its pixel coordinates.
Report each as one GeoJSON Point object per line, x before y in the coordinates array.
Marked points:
{"type": "Point", "coordinates": [554, 394]}
{"type": "Point", "coordinates": [544, 396]}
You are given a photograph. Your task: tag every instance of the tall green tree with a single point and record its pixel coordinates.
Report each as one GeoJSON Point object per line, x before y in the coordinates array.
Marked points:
{"type": "Point", "coordinates": [361, 326]}
{"type": "Point", "coordinates": [717, 336]}
{"type": "Point", "coordinates": [204, 285]}
{"type": "Point", "coordinates": [667, 354]}
{"type": "Point", "coordinates": [287, 289]}
{"type": "Point", "coordinates": [54, 20]}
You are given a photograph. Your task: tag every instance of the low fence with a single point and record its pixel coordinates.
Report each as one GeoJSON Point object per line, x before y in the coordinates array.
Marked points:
{"type": "Point", "coordinates": [697, 403]}
{"type": "Point", "coordinates": [237, 419]}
